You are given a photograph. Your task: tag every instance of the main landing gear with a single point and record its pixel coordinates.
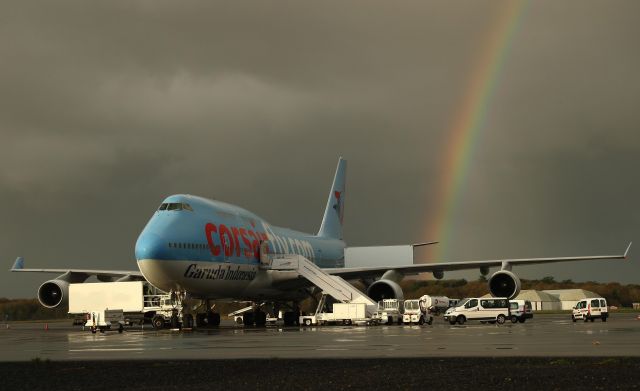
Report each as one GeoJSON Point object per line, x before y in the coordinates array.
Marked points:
{"type": "Point", "coordinates": [207, 319]}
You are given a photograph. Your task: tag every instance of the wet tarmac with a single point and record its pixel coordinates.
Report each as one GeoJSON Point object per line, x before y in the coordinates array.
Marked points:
{"type": "Point", "coordinates": [544, 336]}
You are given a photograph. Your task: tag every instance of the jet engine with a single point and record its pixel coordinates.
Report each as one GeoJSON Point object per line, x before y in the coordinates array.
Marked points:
{"type": "Point", "coordinates": [504, 283]}
{"type": "Point", "coordinates": [385, 289]}
{"type": "Point", "coordinates": [53, 293]}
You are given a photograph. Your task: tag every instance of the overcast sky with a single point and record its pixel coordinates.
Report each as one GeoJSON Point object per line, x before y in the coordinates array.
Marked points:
{"type": "Point", "coordinates": [108, 107]}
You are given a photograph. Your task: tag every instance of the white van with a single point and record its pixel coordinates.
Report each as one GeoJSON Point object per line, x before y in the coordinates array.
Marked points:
{"type": "Point", "coordinates": [493, 309]}
{"type": "Point", "coordinates": [590, 309]}
{"type": "Point", "coordinates": [520, 310]}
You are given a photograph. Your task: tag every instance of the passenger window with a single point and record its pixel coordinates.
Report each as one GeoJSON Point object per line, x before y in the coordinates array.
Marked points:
{"type": "Point", "coordinates": [595, 303]}
{"type": "Point", "coordinates": [602, 303]}
{"type": "Point", "coordinates": [472, 303]}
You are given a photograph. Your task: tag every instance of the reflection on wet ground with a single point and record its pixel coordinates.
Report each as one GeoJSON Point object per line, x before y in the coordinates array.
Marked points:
{"type": "Point", "coordinates": [545, 335]}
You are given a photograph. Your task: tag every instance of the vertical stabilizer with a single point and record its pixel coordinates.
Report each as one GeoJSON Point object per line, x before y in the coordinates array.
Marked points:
{"type": "Point", "coordinates": [331, 226]}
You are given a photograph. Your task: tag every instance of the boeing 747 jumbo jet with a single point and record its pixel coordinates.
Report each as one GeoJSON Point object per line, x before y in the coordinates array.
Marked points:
{"type": "Point", "coordinates": [209, 250]}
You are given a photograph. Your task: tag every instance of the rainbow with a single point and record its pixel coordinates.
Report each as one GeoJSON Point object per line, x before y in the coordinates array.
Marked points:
{"type": "Point", "coordinates": [469, 121]}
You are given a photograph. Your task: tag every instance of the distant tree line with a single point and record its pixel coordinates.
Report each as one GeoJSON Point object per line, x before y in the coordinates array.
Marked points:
{"type": "Point", "coordinates": [615, 293]}
{"type": "Point", "coordinates": [28, 309]}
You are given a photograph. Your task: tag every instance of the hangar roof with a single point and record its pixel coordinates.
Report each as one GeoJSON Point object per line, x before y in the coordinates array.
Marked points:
{"type": "Point", "coordinates": [534, 295]}
{"type": "Point", "coordinates": [571, 294]}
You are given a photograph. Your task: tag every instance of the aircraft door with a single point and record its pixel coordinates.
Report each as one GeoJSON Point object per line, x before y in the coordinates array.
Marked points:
{"type": "Point", "coordinates": [265, 255]}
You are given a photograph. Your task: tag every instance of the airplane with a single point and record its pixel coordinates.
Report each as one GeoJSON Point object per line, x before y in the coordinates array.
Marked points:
{"type": "Point", "coordinates": [211, 250]}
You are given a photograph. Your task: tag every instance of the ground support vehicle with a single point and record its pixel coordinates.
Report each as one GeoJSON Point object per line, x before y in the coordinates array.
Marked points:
{"type": "Point", "coordinates": [590, 309]}
{"type": "Point", "coordinates": [105, 320]}
{"type": "Point", "coordinates": [389, 311]}
{"type": "Point", "coordinates": [136, 300]}
{"type": "Point", "coordinates": [521, 310]}
{"type": "Point", "coordinates": [436, 304]}
{"type": "Point", "coordinates": [342, 313]}
{"type": "Point", "coordinates": [483, 309]}
{"type": "Point", "coordinates": [416, 312]}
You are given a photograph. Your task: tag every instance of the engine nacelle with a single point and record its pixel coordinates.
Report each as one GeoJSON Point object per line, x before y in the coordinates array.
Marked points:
{"type": "Point", "coordinates": [504, 283]}
{"type": "Point", "coordinates": [53, 293]}
{"type": "Point", "coordinates": [385, 289]}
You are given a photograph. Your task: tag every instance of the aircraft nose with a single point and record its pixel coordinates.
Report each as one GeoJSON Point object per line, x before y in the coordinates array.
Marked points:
{"type": "Point", "coordinates": [150, 246]}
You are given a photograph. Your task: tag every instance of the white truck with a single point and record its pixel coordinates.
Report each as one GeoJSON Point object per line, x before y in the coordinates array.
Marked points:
{"type": "Point", "coordinates": [389, 311]}
{"type": "Point", "coordinates": [103, 304]}
{"type": "Point", "coordinates": [436, 304]}
{"type": "Point", "coordinates": [342, 313]}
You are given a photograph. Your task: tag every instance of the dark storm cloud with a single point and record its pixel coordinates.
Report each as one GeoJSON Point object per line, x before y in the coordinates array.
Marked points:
{"type": "Point", "coordinates": [107, 107]}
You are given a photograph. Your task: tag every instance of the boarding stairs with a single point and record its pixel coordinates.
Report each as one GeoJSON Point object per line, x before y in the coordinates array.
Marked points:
{"type": "Point", "coordinates": [333, 286]}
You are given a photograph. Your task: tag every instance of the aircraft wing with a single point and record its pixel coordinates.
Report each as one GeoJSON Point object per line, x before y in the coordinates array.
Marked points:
{"type": "Point", "coordinates": [18, 266]}
{"type": "Point", "coordinates": [368, 272]}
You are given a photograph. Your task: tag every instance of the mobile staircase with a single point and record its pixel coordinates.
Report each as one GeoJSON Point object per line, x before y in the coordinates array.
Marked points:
{"type": "Point", "coordinates": [333, 286]}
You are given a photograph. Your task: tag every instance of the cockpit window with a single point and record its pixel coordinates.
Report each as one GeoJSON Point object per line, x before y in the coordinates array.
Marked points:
{"type": "Point", "coordinates": [174, 206]}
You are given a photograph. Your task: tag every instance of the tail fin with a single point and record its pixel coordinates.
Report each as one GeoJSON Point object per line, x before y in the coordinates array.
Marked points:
{"type": "Point", "coordinates": [18, 264]}
{"type": "Point", "coordinates": [331, 226]}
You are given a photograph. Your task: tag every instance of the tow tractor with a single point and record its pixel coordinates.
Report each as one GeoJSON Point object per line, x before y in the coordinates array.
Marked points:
{"type": "Point", "coordinates": [389, 311]}
{"type": "Point", "coordinates": [416, 312]}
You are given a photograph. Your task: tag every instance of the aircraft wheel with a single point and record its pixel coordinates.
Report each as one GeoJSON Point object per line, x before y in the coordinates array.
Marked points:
{"type": "Point", "coordinates": [248, 319]}
{"type": "Point", "coordinates": [260, 317]}
{"type": "Point", "coordinates": [174, 322]}
{"type": "Point", "coordinates": [213, 318]}
{"type": "Point", "coordinates": [200, 319]}
{"type": "Point", "coordinates": [289, 318]}
{"type": "Point", "coordinates": [187, 321]}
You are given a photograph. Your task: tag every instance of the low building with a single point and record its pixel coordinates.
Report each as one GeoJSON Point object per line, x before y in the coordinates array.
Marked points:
{"type": "Point", "coordinates": [569, 297]}
{"type": "Point", "coordinates": [540, 300]}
